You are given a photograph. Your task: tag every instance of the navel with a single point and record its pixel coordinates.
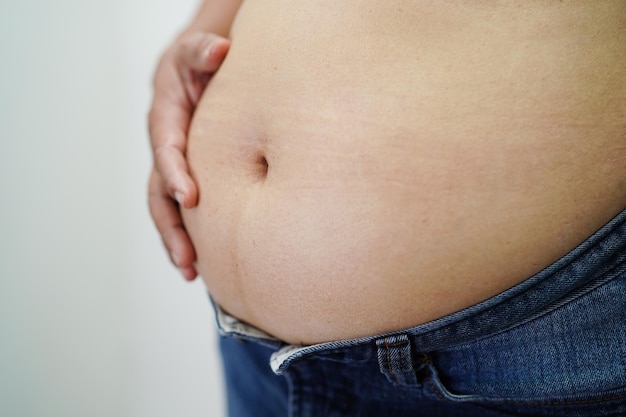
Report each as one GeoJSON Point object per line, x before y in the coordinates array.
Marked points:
{"type": "Point", "coordinates": [262, 167]}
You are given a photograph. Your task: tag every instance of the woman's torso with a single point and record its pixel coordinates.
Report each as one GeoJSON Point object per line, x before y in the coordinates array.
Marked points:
{"type": "Point", "coordinates": [368, 166]}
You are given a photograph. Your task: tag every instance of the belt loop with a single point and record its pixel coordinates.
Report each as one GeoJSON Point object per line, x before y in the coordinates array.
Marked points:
{"type": "Point", "coordinates": [395, 360]}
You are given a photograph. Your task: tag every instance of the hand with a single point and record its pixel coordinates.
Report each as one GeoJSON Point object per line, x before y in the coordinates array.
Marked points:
{"type": "Point", "coordinates": [181, 76]}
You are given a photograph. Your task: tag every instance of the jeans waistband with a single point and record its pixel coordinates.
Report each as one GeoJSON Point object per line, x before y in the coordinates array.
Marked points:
{"type": "Point", "coordinates": [597, 260]}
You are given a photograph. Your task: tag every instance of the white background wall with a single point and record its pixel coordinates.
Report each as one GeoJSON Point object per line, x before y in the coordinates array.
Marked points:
{"type": "Point", "coordinates": [93, 319]}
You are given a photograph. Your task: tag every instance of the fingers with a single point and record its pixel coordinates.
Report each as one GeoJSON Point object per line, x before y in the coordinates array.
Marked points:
{"type": "Point", "coordinates": [168, 221]}
{"type": "Point", "coordinates": [168, 124]}
{"type": "Point", "coordinates": [204, 52]}
{"type": "Point", "coordinates": [181, 76]}
{"type": "Point", "coordinates": [199, 56]}
{"type": "Point", "coordinates": [179, 82]}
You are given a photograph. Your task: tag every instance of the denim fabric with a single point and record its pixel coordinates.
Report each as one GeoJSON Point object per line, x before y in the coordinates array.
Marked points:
{"type": "Point", "coordinates": [252, 388]}
{"type": "Point", "coordinates": [554, 345]}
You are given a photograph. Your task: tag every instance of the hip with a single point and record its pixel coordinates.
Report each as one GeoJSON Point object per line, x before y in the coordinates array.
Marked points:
{"type": "Point", "coordinates": [552, 345]}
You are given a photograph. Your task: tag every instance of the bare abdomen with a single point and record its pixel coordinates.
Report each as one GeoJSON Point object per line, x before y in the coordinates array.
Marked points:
{"type": "Point", "coordinates": [347, 191]}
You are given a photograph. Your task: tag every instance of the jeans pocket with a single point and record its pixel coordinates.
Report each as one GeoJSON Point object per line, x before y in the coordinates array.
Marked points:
{"type": "Point", "coordinates": [610, 403]}
{"type": "Point", "coordinates": [534, 395]}
{"type": "Point", "coordinates": [574, 355]}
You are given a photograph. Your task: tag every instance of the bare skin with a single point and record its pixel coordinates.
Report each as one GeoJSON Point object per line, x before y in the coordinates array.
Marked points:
{"type": "Point", "coordinates": [180, 77]}
{"type": "Point", "coordinates": [363, 168]}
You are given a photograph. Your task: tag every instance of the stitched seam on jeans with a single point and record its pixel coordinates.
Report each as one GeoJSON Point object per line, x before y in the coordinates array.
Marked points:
{"type": "Point", "coordinates": [394, 344]}
{"type": "Point", "coordinates": [612, 273]}
{"type": "Point", "coordinates": [389, 367]}
{"type": "Point", "coordinates": [438, 392]}
{"type": "Point", "coordinates": [579, 402]}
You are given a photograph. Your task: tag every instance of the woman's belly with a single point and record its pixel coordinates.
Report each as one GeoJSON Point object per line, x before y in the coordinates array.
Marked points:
{"type": "Point", "coordinates": [369, 167]}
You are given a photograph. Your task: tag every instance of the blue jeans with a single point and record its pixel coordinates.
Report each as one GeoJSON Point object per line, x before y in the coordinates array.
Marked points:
{"type": "Point", "coordinates": [554, 345]}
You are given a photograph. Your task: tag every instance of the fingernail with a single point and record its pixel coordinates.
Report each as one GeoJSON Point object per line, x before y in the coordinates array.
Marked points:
{"type": "Point", "coordinates": [188, 273]}
{"type": "Point", "coordinates": [180, 197]}
{"type": "Point", "coordinates": [176, 258]}
{"type": "Point", "coordinates": [206, 52]}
